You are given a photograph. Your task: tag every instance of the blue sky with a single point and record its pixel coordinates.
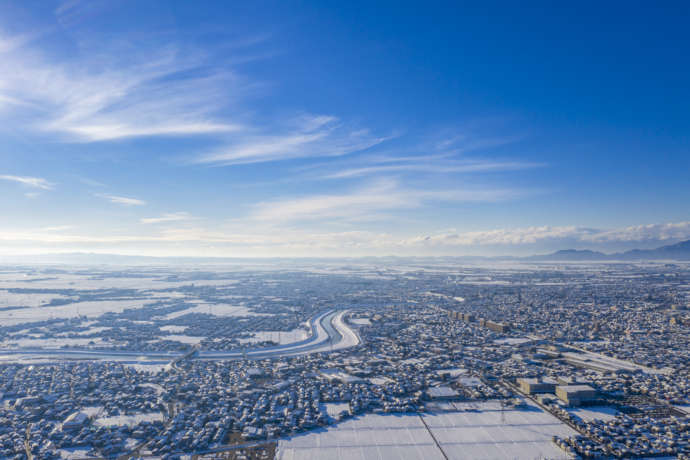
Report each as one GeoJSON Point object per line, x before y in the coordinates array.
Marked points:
{"type": "Point", "coordinates": [342, 128]}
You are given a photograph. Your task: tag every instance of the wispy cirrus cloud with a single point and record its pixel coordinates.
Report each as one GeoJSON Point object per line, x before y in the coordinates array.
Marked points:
{"type": "Point", "coordinates": [450, 155]}
{"type": "Point", "coordinates": [367, 202]}
{"type": "Point", "coordinates": [436, 167]}
{"type": "Point", "coordinates": [168, 217]}
{"type": "Point", "coordinates": [307, 136]}
{"type": "Point", "coordinates": [123, 200]}
{"type": "Point", "coordinates": [161, 92]}
{"type": "Point", "coordinates": [35, 182]}
{"type": "Point", "coordinates": [11, 43]}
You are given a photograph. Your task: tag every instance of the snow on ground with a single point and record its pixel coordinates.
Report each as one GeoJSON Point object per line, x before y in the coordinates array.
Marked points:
{"type": "Point", "coordinates": [152, 367]}
{"type": "Point", "coordinates": [87, 282]}
{"type": "Point", "coordinates": [131, 443]}
{"type": "Point", "coordinates": [587, 414]}
{"type": "Point", "coordinates": [12, 299]}
{"type": "Point", "coordinates": [361, 321]}
{"type": "Point", "coordinates": [120, 420]}
{"type": "Point", "coordinates": [525, 434]}
{"type": "Point", "coordinates": [74, 452]}
{"type": "Point", "coordinates": [512, 341]}
{"type": "Point", "coordinates": [339, 375]}
{"type": "Point", "coordinates": [452, 372]}
{"type": "Point", "coordinates": [598, 360]}
{"type": "Point", "coordinates": [182, 338]}
{"type": "Point", "coordinates": [89, 331]}
{"type": "Point", "coordinates": [94, 330]}
{"type": "Point", "coordinates": [349, 337]}
{"type": "Point", "coordinates": [90, 308]}
{"type": "Point", "coordinates": [159, 389]}
{"type": "Point", "coordinates": [334, 409]}
{"type": "Point", "coordinates": [215, 310]}
{"type": "Point", "coordinates": [172, 328]}
{"type": "Point", "coordinates": [279, 337]}
{"type": "Point", "coordinates": [48, 356]}
{"type": "Point", "coordinates": [373, 436]}
{"type": "Point", "coordinates": [56, 342]}
{"type": "Point", "coordinates": [25, 359]}
{"type": "Point", "coordinates": [380, 380]}
{"type": "Point", "coordinates": [91, 411]}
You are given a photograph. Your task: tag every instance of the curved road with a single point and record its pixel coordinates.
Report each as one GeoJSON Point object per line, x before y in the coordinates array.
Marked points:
{"type": "Point", "coordinates": [328, 332]}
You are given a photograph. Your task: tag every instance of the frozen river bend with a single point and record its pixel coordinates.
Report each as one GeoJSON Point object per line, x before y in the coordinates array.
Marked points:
{"type": "Point", "coordinates": [329, 332]}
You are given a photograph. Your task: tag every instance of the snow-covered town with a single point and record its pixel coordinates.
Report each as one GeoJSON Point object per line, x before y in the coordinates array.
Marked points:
{"type": "Point", "coordinates": [429, 360]}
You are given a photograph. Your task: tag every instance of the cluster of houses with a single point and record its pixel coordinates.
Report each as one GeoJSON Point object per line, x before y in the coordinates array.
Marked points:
{"type": "Point", "coordinates": [564, 340]}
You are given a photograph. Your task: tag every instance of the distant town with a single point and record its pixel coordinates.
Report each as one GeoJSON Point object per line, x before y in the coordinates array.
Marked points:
{"type": "Point", "coordinates": [418, 359]}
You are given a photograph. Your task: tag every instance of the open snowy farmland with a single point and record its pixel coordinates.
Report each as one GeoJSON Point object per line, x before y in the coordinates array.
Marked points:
{"type": "Point", "coordinates": [162, 311]}
{"type": "Point", "coordinates": [460, 431]}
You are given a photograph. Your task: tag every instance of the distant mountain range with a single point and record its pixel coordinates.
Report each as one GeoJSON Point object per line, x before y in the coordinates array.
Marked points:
{"type": "Point", "coordinates": [678, 251]}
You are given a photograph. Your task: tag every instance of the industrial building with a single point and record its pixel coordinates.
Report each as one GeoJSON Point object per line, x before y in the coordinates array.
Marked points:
{"type": "Point", "coordinates": [576, 395]}
{"type": "Point", "coordinates": [532, 386]}
{"type": "Point", "coordinates": [497, 327]}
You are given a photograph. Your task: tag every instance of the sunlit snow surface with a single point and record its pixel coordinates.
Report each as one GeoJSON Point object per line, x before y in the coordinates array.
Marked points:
{"type": "Point", "coordinates": [279, 337]}
{"type": "Point", "coordinates": [140, 314]}
{"type": "Point", "coordinates": [131, 420]}
{"type": "Point", "coordinates": [478, 434]}
{"type": "Point", "coordinates": [590, 413]}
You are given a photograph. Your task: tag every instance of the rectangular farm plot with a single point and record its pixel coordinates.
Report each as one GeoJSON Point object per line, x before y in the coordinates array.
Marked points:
{"type": "Point", "coordinates": [482, 432]}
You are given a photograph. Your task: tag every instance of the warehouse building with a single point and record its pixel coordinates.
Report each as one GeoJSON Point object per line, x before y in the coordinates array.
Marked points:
{"type": "Point", "coordinates": [532, 386]}
{"type": "Point", "coordinates": [576, 395]}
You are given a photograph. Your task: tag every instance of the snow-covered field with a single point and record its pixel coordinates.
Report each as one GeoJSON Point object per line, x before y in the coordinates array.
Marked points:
{"type": "Point", "coordinates": [334, 409]}
{"type": "Point", "coordinates": [72, 310]}
{"type": "Point", "coordinates": [182, 338]}
{"type": "Point", "coordinates": [88, 282]}
{"type": "Point", "coordinates": [73, 453]}
{"type": "Point", "coordinates": [174, 329]}
{"type": "Point", "coordinates": [51, 343]}
{"type": "Point", "coordinates": [361, 321]}
{"type": "Point", "coordinates": [594, 413]}
{"type": "Point", "coordinates": [215, 310]}
{"type": "Point", "coordinates": [512, 341]}
{"type": "Point", "coordinates": [279, 337]}
{"type": "Point", "coordinates": [525, 434]}
{"type": "Point", "coordinates": [120, 420]}
{"type": "Point", "coordinates": [13, 299]}
{"type": "Point", "coordinates": [152, 367]}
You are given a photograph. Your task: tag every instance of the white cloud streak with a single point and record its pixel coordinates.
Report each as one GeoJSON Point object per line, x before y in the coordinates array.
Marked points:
{"type": "Point", "coordinates": [438, 167]}
{"type": "Point", "coordinates": [313, 136]}
{"type": "Point", "coordinates": [367, 202]}
{"type": "Point", "coordinates": [123, 200]}
{"type": "Point", "coordinates": [35, 182]}
{"type": "Point", "coordinates": [127, 95]}
{"type": "Point", "coordinates": [134, 92]}
{"type": "Point", "coordinates": [168, 217]}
